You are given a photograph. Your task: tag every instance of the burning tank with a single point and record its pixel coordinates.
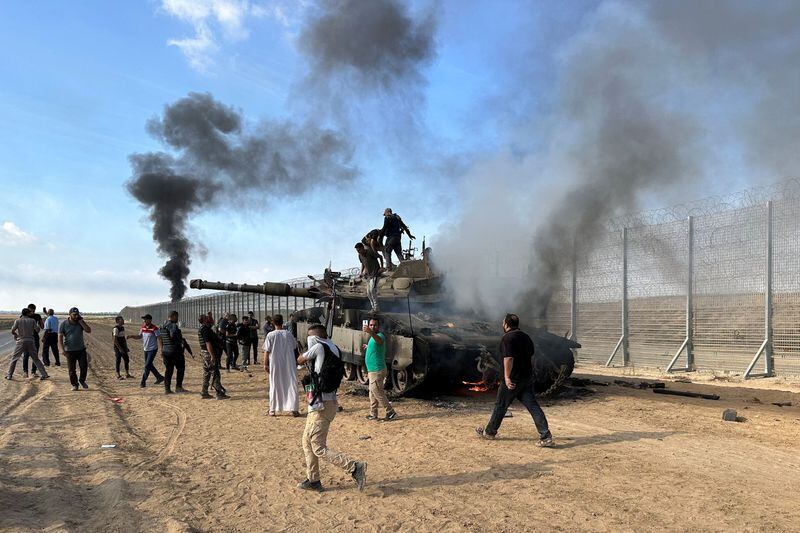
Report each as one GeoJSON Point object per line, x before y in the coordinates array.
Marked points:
{"type": "Point", "coordinates": [428, 347]}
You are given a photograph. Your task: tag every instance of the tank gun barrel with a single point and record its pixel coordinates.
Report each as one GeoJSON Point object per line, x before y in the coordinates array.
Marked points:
{"type": "Point", "coordinates": [268, 288]}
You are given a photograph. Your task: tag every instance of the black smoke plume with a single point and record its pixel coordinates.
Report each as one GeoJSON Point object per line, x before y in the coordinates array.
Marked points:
{"type": "Point", "coordinates": [376, 41]}
{"type": "Point", "coordinates": [216, 156]}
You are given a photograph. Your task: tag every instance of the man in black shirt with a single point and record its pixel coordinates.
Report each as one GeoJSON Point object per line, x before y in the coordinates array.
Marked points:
{"type": "Point", "coordinates": [393, 229]}
{"type": "Point", "coordinates": [172, 353]}
{"type": "Point", "coordinates": [210, 351]}
{"type": "Point", "coordinates": [243, 336]}
{"type": "Point", "coordinates": [516, 350]}
{"type": "Point", "coordinates": [253, 336]}
{"type": "Point", "coordinates": [231, 346]}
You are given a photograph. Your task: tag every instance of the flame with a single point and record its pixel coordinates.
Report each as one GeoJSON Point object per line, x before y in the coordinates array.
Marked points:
{"type": "Point", "coordinates": [479, 386]}
{"type": "Point", "coordinates": [450, 325]}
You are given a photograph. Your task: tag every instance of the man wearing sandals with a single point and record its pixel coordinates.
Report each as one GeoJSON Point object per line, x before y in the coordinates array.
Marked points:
{"type": "Point", "coordinates": [280, 362]}
{"type": "Point", "coordinates": [516, 350]}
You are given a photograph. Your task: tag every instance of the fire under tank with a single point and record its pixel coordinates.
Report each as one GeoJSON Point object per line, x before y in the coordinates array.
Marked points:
{"type": "Point", "coordinates": [429, 348]}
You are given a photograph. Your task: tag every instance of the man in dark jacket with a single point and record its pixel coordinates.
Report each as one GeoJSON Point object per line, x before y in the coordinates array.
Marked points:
{"type": "Point", "coordinates": [210, 351]}
{"type": "Point", "coordinates": [172, 353]}
{"type": "Point", "coordinates": [392, 231]}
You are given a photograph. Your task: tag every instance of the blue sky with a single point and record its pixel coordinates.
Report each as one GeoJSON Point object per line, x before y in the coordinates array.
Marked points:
{"type": "Point", "coordinates": [79, 80]}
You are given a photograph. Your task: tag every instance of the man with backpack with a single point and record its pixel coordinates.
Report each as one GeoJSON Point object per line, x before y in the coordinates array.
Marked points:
{"type": "Point", "coordinates": [326, 371]}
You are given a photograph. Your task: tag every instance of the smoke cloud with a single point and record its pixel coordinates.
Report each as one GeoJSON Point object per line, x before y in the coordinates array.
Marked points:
{"type": "Point", "coordinates": [650, 98]}
{"type": "Point", "coordinates": [376, 42]}
{"type": "Point", "coordinates": [215, 156]}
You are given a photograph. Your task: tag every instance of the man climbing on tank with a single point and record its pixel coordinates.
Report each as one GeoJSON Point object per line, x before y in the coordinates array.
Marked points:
{"type": "Point", "coordinates": [392, 231]}
{"type": "Point", "coordinates": [373, 241]}
{"type": "Point", "coordinates": [516, 351]}
{"type": "Point", "coordinates": [370, 270]}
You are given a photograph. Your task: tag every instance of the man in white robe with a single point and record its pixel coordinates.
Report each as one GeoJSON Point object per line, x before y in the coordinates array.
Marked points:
{"type": "Point", "coordinates": [280, 362]}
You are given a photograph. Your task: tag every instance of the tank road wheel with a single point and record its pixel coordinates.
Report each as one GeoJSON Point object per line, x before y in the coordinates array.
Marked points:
{"type": "Point", "coordinates": [362, 376]}
{"type": "Point", "coordinates": [401, 380]}
{"type": "Point", "coordinates": [349, 371]}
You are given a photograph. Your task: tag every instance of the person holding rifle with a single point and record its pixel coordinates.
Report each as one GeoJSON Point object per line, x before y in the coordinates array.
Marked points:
{"type": "Point", "coordinates": [210, 351]}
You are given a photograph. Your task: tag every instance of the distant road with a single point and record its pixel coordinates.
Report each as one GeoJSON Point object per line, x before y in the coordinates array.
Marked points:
{"type": "Point", "coordinates": [6, 343]}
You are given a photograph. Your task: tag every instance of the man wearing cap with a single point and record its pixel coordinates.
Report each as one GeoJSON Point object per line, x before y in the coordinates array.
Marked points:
{"type": "Point", "coordinates": [70, 341]}
{"type": "Point", "coordinates": [151, 338]}
{"type": "Point", "coordinates": [392, 231]}
{"type": "Point", "coordinates": [172, 353]}
{"type": "Point", "coordinates": [23, 331]}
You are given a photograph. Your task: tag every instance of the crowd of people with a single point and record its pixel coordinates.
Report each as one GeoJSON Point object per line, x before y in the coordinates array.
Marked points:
{"type": "Point", "coordinates": [283, 356]}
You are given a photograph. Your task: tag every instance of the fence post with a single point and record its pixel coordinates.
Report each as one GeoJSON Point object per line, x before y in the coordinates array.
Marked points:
{"type": "Point", "coordinates": [573, 305]}
{"type": "Point", "coordinates": [622, 343]}
{"type": "Point", "coordinates": [625, 353]}
{"type": "Point", "coordinates": [766, 347]}
{"type": "Point", "coordinates": [690, 297]}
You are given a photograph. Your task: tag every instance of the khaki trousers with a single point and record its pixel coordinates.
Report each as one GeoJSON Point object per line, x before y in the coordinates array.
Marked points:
{"type": "Point", "coordinates": [377, 394]}
{"type": "Point", "coordinates": [315, 442]}
{"type": "Point", "coordinates": [27, 347]}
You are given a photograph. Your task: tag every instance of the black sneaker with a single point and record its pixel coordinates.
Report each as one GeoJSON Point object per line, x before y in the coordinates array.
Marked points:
{"type": "Point", "coordinates": [310, 485]}
{"type": "Point", "coordinates": [168, 391]}
{"type": "Point", "coordinates": [222, 397]}
{"type": "Point", "coordinates": [360, 474]}
{"type": "Point", "coordinates": [44, 378]}
{"type": "Point", "coordinates": [119, 376]}
{"type": "Point", "coordinates": [547, 442]}
{"type": "Point", "coordinates": [9, 378]}
{"type": "Point", "coordinates": [205, 396]}
{"type": "Point", "coordinates": [128, 375]}
{"type": "Point", "coordinates": [74, 387]}
{"type": "Point", "coordinates": [84, 385]}
{"type": "Point", "coordinates": [391, 415]}
{"type": "Point", "coordinates": [159, 380]}
{"type": "Point", "coordinates": [58, 364]}
{"type": "Point", "coordinates": [481, 432]}
{"type": "Point", "coordinates": [371, 417]}
{"type": "Point", "coordinates": [180, 389]}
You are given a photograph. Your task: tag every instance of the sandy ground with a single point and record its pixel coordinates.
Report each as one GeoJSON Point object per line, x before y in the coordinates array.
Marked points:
{"type": "Point", "coordinates": [626, 459]}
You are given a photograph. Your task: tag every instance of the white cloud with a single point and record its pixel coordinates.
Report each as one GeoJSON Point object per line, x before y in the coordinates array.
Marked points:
{"type": "Point", "coordinates": [13, 235]}
{"type": "Point", "coordinates": [208, 16]}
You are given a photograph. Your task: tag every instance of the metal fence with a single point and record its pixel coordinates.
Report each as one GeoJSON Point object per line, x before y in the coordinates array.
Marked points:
{"type": "Point", "coordinates": [224, 302]}
{"type": "Point", "coordinates": [718, 289]}
{"type": "Point", "coordinates": [708, 285]}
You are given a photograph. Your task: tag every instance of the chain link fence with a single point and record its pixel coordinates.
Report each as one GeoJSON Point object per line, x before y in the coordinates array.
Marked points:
{"type": "Point", "coordinates": [707, 285]}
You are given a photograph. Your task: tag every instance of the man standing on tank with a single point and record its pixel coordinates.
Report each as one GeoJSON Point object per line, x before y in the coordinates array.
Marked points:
{"type": "Point", "coordinates": [516, 350]}
{"type": "Point", "coordinates": [210, 351]}
{"type": "Point", "coordinates": [392, 231]}
{"type": "Point", "coordinates": [375, 361]}
{"type": "Point", "coordinates": [172, 353]}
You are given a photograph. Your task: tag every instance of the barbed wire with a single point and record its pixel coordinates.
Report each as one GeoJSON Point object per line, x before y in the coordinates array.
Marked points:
{"type": "Point", "coordinates": [788, 189]}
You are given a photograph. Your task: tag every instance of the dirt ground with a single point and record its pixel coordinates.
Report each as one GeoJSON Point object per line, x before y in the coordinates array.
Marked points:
{"type": "Point", "coordinates": [627, 459]}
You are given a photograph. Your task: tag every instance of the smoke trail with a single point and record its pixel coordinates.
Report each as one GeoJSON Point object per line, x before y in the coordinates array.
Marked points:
{"type": "Point", "coordinates": [376, 42]}
{"type": "Point", "coordinates": [649, 97]}
{"type": "Point", "coordinates": [216, 157]}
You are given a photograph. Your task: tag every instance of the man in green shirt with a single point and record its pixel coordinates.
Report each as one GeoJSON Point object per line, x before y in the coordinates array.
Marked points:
{"type": "Point", "coordinates": [375, 361]}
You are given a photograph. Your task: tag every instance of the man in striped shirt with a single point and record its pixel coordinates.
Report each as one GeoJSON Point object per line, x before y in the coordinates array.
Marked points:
{"type": "Point", "coordinates": [151, 337]}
